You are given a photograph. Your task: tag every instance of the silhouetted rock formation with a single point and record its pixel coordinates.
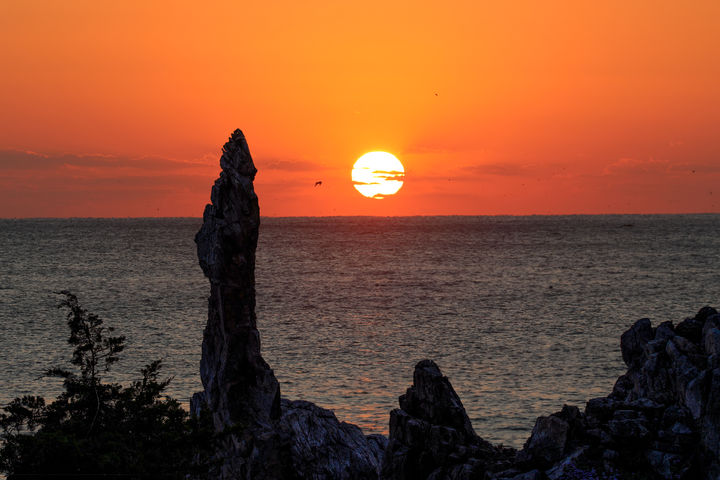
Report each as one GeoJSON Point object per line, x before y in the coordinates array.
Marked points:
{"type": "Point", "coordinates": [323, 448]}
{"type": "Point", "coordinates": [239, 384]}
{"type": "Point", "coordinates": [662, 418]}
{"type": "Point", "coordinates": [266, 438]}
{"type": "Point", "coordinates": [431, 435]}
{"type": "Point", "coordinates": [661, 421]}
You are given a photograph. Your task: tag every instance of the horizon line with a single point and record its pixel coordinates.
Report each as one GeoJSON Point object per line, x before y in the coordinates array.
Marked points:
{"type": "Point", "coordinates": [376, 216]}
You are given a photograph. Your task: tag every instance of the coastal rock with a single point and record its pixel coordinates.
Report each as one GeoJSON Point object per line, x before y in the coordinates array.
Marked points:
{"type": "Point", "coordinates": [431, 436]}
{"type": "Point", "coordinates": [547, 441]}
{"type": "Point", "coordinates": [567, 467]}
{"type": "Point", "coordinates": [432, 398]}
{"type": "Point", "coordinates": [633, 341]}
{"type": "Point", "coordinates": [553, 438]}
{"type": "Point", "coordinates": [710, 420]}
{"type": "Point", "coordinates": [240, 387]}
{"type": "Point", "coordinates": [264, 437]}
{"type": "Point", "coordinates": [662, 419]}
{"type": "Point", "coordinates": [711, 340]}
{"type": "Point", "coordinates": [321, 447]}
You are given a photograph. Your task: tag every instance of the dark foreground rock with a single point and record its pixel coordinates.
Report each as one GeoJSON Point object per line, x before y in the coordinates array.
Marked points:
{"type": "Point", "coordinates": [265, 437]}
{"type": "Point", "coordinates": [662, 420]}
{"type": "Point", "coordinates": [431, 435]}
{"type": "Point", "coordinates": [322, 447]}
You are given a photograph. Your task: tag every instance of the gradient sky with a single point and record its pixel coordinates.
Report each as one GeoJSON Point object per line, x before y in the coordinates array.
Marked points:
{"type": "Point", "coordinates": [121, 108]}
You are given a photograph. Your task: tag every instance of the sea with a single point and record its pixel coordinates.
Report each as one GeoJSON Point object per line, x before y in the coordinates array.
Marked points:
{"type": "Point", "coordinates": [522, 314]}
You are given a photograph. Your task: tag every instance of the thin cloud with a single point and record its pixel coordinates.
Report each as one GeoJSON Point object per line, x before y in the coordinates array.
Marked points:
{"type": "Point", "coordinates": [501, 169]}
{"type": "Point", "coordinates": [702, 168]}
{"type": "Point", "coordinates": [287, 165]}
{"type": "Point", "coordinates": [391, 175]}
{"type": "Point", "coordinates": [26, 160]}
{"type": "Point", "coordinates": [635, 166]}
{"type": "Point", "coordinates": [25, 174]}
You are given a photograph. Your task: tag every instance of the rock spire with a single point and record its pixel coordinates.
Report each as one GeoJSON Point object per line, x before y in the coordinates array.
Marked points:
{"type": "Point", "coordinates": [267, 438]}
{"type": "Point", "coordinates": [239, 384]}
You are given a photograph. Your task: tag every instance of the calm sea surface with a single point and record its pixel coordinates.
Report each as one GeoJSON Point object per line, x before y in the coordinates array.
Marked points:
{"type": "Point", "coordinates": [523, 314]}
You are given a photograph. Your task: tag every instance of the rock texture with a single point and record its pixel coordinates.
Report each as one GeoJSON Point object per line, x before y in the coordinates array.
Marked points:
{"type": "Point", "coordinates": [266, 437]}
{"type": "Point", "coordinates": [431, 436]}
{"type": "Point", "coordinates": [323, 448]}
{"type": "Point", "coordinates": [662, 419]}
{"type": "Point", "coordinates": [239, 385]}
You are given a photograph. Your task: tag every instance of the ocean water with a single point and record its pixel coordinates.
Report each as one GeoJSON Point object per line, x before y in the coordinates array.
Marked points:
{"type": "Point", "coordinates": [523, 314]}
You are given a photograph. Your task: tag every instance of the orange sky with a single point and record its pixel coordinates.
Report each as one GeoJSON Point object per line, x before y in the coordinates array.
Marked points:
{"type": "Point", "coordinates": [120, 108]}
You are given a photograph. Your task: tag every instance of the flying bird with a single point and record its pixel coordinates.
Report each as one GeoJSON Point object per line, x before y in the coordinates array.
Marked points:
{"type": "Point", "coordinates": [318, 183]}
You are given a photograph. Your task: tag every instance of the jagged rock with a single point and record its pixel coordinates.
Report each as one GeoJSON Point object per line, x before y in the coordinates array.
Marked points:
{"type": "Point", "coordinates": [711, 340]}
{"type": "Point", "coordinates": [600, 409]}
{"type": "Point", "coordinates": [266, 437]}
{"type": "Point", "coordinates": [239, 385]}
{"type": "Point", "coordinates": [547, 441]}
{"type": "Point", "coordinates": [531, 475]}
{"type": "Point", "coordinates": [633, 341]}
{"type": "Point", "coordinates": [553, 437]}
{"type": "Point", "coordinates": [433, 399]}
{"type": "Point", "coordinates": [692, 327]}
{"type": "Point", "coordinates": [431, 436]}
{"type": "Point", "coordinates": [628, 428]}
{"type": "Point", "coordinates": [622, 388]}
{"type": "Point", "coordinates": [566, 467]}
{"type": "Point", "coordinates": [710, 420]}
{"type": "Point", "coordinates": [669, 466]}
{"type": "Point", "coordinates": [321, 447]}
{"type": "Point", "coordinates": [662, 419]}
{"type": "Point", "coordinates": [664, 332]}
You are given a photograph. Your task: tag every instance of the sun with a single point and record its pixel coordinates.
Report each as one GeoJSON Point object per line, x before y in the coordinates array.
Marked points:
{"type": "Point", "coordinates": [378, 174]}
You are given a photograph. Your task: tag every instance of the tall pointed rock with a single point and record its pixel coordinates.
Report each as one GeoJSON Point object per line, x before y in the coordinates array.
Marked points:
{"type": "Point", "coordinates": [240, 387]}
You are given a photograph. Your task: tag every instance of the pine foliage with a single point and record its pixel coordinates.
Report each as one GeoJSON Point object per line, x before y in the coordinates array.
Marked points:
{"type": "Point", "coordinates": [101, 428]}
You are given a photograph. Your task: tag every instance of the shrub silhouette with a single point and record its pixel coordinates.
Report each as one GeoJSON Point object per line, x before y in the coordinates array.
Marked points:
{"type": "Point", "coordinates": [98, 428]}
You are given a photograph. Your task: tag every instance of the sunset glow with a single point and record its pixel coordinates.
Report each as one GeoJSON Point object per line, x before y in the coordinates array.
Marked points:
{"type": "Point", "coordinates": [121, 108]}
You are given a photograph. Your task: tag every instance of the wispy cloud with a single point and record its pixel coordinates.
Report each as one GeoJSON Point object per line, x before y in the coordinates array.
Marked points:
{"type": "Point", "coordinates": [30, 161]}
{"type": "Point", "coordinates": [355, 182]}
{"type": "Point", "coordinates": [694, 167]}
{"type": "Point", "coordinates": [287, 165]}
{"type": "Point", "coordinates": [634, 166]}
{"type": "Point", "coordinates": [389, 175]}
{"type": "Point", "coordinates": [500, 169]}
